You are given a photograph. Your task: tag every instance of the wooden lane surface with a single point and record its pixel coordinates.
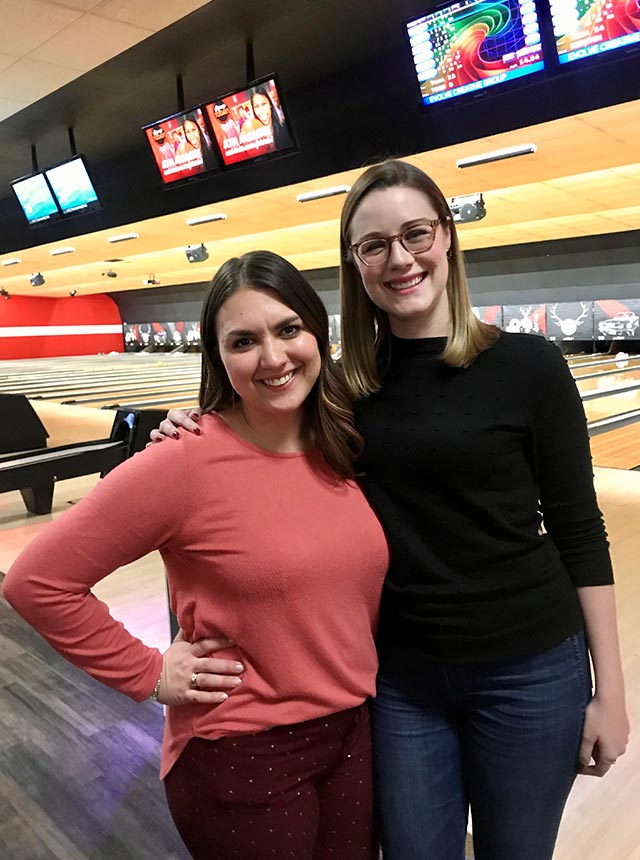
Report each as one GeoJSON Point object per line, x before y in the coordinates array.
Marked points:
{"type": "Point", "coordinates": [47, 376]}
{"type": "Point", "coordinates": [614, 404]}
{"type": "Point", "coordinates": [127, 394]}
{"type": "Point", "coordinates": [55, 381]}
{"type": "Point", "coordinates": [617, 449]}
{"type": "Point", "coordinates": [608, 381]}
{"type": "Point", "coordinates": [615, 366]}
{"type": "Point", "coordinates": [587, 361]}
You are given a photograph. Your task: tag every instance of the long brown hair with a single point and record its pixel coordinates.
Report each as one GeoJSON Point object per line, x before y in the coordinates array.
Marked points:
{"type": "Point", "coordinates": [328, 410]}
{"type": "Point", "coordinates": [365, 327]}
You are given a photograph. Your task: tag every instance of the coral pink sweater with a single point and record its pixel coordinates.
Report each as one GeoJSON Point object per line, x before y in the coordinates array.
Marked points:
{"type": "Point", "coordinates": [257, 546]}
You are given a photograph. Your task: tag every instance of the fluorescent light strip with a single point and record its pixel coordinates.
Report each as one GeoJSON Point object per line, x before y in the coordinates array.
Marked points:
{"type": "Point", "coordinates": [12, 262]}
{"type": "Point", "coordinates": [323, 192]}
{"type": "Point", "coordinates": [56, 252]}
{"type": "Point", "coordinates": [497, 155]}
{"type": "Point", "coordinates": [204, 219]}
{"type": "Point", "coordinates": [123, 237]}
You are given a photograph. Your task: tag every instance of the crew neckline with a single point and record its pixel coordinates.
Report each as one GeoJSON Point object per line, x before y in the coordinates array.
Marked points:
{"type": "Point", "coordinates": [280, 455]}
{"type": "Point", "coordinates": [417, 346]}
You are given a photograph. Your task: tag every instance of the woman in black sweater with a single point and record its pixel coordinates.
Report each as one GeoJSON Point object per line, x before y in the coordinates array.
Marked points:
{"type": "Point", "coordinates": [500, 587]}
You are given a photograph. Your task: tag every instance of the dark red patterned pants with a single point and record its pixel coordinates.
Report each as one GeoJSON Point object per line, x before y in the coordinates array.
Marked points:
{"type": "Point", "coordinates": [297, 792]}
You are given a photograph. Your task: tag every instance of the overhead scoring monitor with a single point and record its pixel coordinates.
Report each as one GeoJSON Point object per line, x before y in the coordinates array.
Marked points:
{"type": "Point", "coordinates": [36, 199]}
{"type": "Point", "coordinates": [586, 28]}
{"type": "Point", "coordinates": [467, 46]}
{"type": "Point", "coordinates": [72, 186]}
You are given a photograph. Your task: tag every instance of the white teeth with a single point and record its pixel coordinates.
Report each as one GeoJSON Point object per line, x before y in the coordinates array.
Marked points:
{"type": "Point", "coordinates": [276, 383]}
{"type": "Point", "coordinates": [405, 285]}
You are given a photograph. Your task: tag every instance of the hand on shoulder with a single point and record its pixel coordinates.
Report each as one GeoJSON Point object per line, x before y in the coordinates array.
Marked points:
{"type": "Point", "coordinates": [185, 419]}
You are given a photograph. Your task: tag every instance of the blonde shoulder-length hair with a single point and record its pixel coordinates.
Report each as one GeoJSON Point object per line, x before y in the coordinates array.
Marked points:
{"type": "Point", "coordinates": [365, 327]}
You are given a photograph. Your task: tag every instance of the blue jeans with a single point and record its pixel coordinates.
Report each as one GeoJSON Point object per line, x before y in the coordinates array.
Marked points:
{"type": "Point", "coordinates": [500, 739]}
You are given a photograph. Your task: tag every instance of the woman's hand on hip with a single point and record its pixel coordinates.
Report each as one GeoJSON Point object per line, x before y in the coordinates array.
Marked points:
{"type": "Point", "coordinates": [176, 418]}
{"type": "Point", "coordinates": [605, 735]}
{"type": "Point", "coordinates": [191, 676]}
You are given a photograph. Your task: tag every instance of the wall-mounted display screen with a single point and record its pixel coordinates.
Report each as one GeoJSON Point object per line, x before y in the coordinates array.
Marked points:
{"type": "Point", "coordinates": [584, 28]}
{"type": "Point", "coordinates": [36, 199]}
{"type": "Point", "coordinates": [181, 145]}
{"type": "Point", "coordinates": [570, 321]}
{"type": "Point", "coordinates": [72, 186]}
{"type": "Point", "coordinates": [250, 122]}
{"type": "Point", "coordinates": [466, 46]}
{"type": "Point", "coordinates": [527, 319]}
{"type": "Point", "coordinates": [615, 319]}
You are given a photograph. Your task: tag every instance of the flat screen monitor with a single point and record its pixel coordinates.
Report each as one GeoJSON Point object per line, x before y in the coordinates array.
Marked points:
{"type": "Point", "coordinates": [72, 186]}
{"type": "Point", "coordinates": [181, 146]}
{"type": "Point", "coordinates": [464, 47]}
{"type": "Point", "coordinates": [585, 28]}
{"type": "Point", "coordinates": [251, 122]}
{"type": "Point", "coordinates": [36, 199]}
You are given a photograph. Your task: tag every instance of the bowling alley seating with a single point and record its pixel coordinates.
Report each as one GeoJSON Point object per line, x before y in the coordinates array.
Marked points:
{"type": "Point", "coordinates": [27, 465]}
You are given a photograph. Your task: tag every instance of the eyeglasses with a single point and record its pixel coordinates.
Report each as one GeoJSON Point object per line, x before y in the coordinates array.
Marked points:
{"type": "Point", "coordinates": [415, 240]}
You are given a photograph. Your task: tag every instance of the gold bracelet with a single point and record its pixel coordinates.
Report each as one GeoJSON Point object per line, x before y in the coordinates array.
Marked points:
{"type": "Point", "coordinates": [156, 690]}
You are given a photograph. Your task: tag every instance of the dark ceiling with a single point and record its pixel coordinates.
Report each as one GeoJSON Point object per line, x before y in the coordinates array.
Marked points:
{"type": "Point", "coordinates": [345, 71]}
{"type": "Point", "coordinates": [301, 40]}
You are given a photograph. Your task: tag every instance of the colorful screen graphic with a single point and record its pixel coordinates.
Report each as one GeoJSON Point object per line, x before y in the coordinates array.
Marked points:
{"type": "Point", "coordinates": [36, 199]}
{"type": "Point", "coordinates": [249, 123]}
{"type": "Point", "coordinates": [467, 46]}
{"type": "Point", "coordinates": [584, 28]}
{"type": "Point", "coordinates": [181, 145]}
{"type": "Point", "coordinates": [72, 186]}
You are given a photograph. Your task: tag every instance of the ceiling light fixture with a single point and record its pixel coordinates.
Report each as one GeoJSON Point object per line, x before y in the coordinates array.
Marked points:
{"type": "Point", "coordinates": [56, 252]}
{"type": "Point", "coordinates": [123, 237]}
{"type": "Point", "coordinates": [5, 294]}
{"type": "Point", "coordinates": [204, 219]}
{"type": "Point", "coordinates": [497, 155]}
{"type": "Point", "coordinates": [13, 261]}
{"type": "Point", "coordinates": [323, 192]}
{"type": "Point", "coordinates": [36, 279]}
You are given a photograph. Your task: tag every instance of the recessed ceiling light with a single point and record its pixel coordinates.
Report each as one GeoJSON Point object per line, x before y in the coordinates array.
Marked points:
{"type": "Point", "coordinates": [11, 262]}
{"type": "Point", "coordinates": [123, 237]}
{"type": "Point", "coordinates": [56, 252]}
{"type": "Point", "coordinates": [204, 219]}
{"type": "Point", "coordinates": [323, 192]}
{"type": "Point", "coordinates": [497, 155]}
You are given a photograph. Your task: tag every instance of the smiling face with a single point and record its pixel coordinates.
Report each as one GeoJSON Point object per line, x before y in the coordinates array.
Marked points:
{"type": "Point", "coordinates": [261, 108]}
{"type": "Point", "coordinates": [271, 358]}
{"type": "Point", "coordinates": [411, 289]}
{"type": "Point", "coordinates": [192, 132]}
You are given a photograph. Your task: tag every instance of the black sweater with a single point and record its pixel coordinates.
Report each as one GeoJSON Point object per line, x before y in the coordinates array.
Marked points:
{"type": "Point", "coordinates": [458, 465]}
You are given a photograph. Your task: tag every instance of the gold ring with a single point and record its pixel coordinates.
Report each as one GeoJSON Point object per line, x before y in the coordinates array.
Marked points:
{"type": "Point", "coordinates": [194, 681]}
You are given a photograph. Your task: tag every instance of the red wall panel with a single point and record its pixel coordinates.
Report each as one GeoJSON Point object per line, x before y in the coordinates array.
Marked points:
{"type": "Point", "coordinates": [37, 327]}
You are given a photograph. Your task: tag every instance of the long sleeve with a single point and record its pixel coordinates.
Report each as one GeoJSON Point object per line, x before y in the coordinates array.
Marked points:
{"type": "Point", "coordinates": [119, 521]}
{"type": "Point", "coordinates": [564, 470]}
